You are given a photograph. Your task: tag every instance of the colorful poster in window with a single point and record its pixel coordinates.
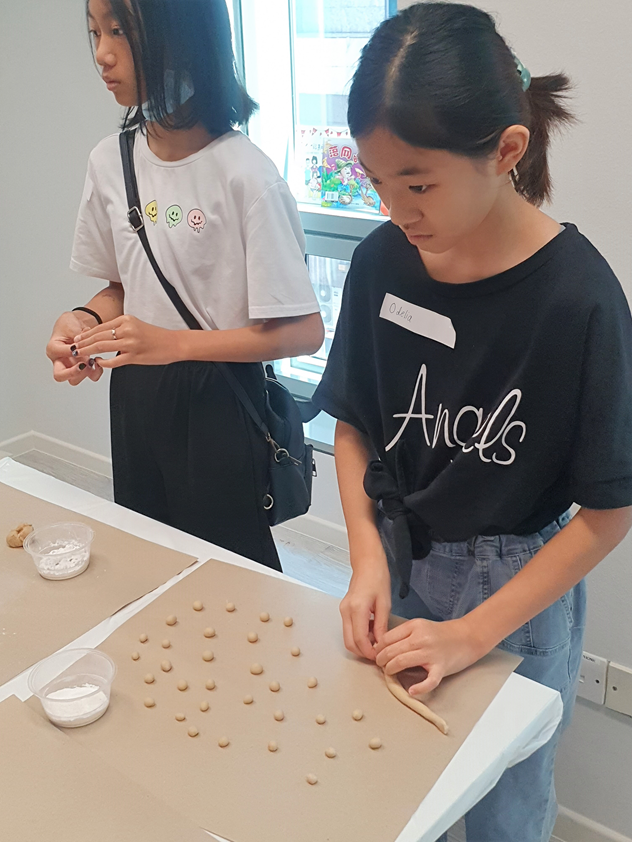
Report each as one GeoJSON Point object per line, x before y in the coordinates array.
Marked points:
{"type": "Point", "coordinates": [345, 185]}
{"type": "Point", "coordinates": [310, 165]}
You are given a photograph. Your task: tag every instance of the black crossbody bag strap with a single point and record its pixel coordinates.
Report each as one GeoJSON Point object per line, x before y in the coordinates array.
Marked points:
{"type": "Point", "coordinates": [135, 217]}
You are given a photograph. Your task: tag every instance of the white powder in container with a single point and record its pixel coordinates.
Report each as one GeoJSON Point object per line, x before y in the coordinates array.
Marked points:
{"type": "Point", "coordinates": [77, 705]}
{"type": "Point", "coordinates": [56, 563]}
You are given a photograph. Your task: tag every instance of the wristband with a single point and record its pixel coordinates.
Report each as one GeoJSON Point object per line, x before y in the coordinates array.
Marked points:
{"type": "Point", "coordinates": [90, 312]}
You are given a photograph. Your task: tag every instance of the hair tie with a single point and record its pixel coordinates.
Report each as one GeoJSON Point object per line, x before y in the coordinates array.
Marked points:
{"type": "Point", "coordinates": [525, 76]}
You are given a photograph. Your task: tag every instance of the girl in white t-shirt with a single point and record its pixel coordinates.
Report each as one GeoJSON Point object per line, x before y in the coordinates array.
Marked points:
{"type": "Point", "coordinates": [225, 231]}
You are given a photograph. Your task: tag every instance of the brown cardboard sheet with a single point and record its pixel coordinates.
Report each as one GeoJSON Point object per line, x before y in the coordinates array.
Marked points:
{"type": "Point", "coordinates": [244, 792]}
{"type": "Point", "coordinates": [39, 616]}
{"type": "Point", "coordinates": [54, 789]}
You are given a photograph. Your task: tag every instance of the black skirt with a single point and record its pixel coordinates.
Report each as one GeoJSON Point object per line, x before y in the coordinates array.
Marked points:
{"type": "Point", "coordinates": [185, 453]}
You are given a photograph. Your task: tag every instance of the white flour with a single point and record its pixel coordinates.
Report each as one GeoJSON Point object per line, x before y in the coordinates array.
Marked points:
{"type": "Point", "coordinates": [71, 704]}
{"type": "Point", "coordinates": [51, 565]}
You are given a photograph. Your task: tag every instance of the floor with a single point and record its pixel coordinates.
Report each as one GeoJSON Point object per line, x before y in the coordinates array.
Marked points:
{"type": "Point", "coordinates": [303, 558]}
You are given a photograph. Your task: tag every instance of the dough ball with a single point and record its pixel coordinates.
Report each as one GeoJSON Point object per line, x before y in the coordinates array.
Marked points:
{"type": "Point", "coordinates": [210, 684]}
{"type": "Point", "coordinates": [165, 666]}
{"type": "Point", "coordinates": [264, 617]}
{"type": "Point", "coordinates": [357, 715]}
{"type": "Point", "coordinates": [230, 607]}
{"type": "Point", "coordinates": [253, 637]}
{"type": "Point", "coordinates": [272, 746]}
{"type": "Point", "coordinates": [312, 682]}
{"type": "Point", "coordinates": [149, 702]}
{"type": "Point", "coordinates": [248, 700]}
{"type": "Point", "coordinates": [193, 732]}
{"type": "Point", "coordinates": [321, 719]}
{"type": "Point", "coordinates": [209, 632]}
{"type": "Point", "coordinates": [288, 622]}
{"type": "Point", "coordinates": [149, 678]}
{"type": "Point", "coordinates": [135, 656]}
{"type": "Point", "coordinates": [256, 669]}
{"type": "Point", "coordinates": [311, 779]}
{"type": "Point", "coordinates": [274, 686]}
{"type": "Point", "coordinates": [376, 742]}
{"type": "Point", "coordinates": [14, 541]}
{"type": "Point", "coordinates": [143, 638]}
{"type": "Point", "coordinates": [295, 651]}
{"type": "Point", "coordinates": [197, 605]}
{"type": "Point", "coordinates": [17, 536]}
{"type": "Point", "coordinates": [207, 655]}
{"type": "Point", "coordinates": [330, 752]}
{"type": "Point", "coordinates": [279, 715]}
{"type": "Point", "coordinates": [204, 706]}
{"type": "Point", "coordinates": [180, 717]}
{"type": "Point", "coordinates": [171, 620]}
{"type": "Point", "coordinates": [182, 684]}
{"type": "Point", "coordinates": [166, 643]}
{"type": "Point", "coordinates": [223, 742]}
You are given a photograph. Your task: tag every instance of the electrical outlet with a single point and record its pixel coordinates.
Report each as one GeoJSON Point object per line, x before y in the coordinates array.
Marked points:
{"type": "Point", "coordinates": [592, 678]}
{"type": "Point", "coordinates": [619, 692]}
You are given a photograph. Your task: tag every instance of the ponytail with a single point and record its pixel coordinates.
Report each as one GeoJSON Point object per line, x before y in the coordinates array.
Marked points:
{"type": "Point", "coordinates": [546, 98]}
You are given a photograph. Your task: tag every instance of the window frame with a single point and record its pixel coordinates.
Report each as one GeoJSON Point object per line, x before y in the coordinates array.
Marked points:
{"type": "Point", "coordinates": [329, 233]}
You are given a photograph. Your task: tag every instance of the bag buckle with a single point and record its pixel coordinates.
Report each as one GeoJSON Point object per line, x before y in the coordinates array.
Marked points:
{"type": "Point", "coordinates": [281, 453]}
{"type": "Point", "coordinates": [135, 219]}
{"type": "Point", "coordinates": [267, 506]}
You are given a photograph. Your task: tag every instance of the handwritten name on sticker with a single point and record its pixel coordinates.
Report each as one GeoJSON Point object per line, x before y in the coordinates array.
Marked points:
{"type": "Point", "coordinates": [418, 320]}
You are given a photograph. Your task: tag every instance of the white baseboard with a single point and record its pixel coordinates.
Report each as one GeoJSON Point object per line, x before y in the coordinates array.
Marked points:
{"type": "Point", "coordinates": [572, 827]}
{"type": "Point", "coordinates": [323, 530]}
{"type": "Point", "coordinates": [61, 449]}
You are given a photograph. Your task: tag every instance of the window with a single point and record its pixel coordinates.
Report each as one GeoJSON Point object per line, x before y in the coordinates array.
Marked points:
{"type": "Point", "coordinates": [298, 59]}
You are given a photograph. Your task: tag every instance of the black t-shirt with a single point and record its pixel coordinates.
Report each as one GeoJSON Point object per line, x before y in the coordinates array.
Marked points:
{"type": "Point", "coordinates": [493, 405]}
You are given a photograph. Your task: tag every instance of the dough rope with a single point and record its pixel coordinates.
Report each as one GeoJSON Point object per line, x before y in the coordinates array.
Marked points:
{"type": "Point", "coordinates": [414, 704]}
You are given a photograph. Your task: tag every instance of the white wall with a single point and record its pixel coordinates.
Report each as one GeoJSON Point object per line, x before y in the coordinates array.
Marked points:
{"type": "Point", "coordinates": [54, 110]}
{"type": "Point", "coordinates": [592, 169]}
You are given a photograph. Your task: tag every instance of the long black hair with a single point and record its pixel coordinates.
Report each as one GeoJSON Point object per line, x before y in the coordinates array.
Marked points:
{"type": "Point", "coordinates": [191, 40]}
{"type": "Point", "coordinates": [439, 76]}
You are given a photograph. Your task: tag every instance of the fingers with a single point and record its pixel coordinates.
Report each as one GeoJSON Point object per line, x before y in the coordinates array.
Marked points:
{"type": "Point", "coordinates": [114, 362]}
{"type": "Point", "coordinates": [402, 661]}
{"type": "Point", "coordinates": [76, 372]}
{"type": "Point", "coordinates": [95, 371]}
{"type": "Point", "coordinates": [360, 623]}
{"type": "Point", "coordinates": [106, 329]}
{"type": "Point", "coordinates": [380, 620]}
{"type": "Point", "coordinates": [428, 684]}
{"type": "Point", "coordinates": [355, 629]}
{"type": "Point", "coordinates": [400, 632]}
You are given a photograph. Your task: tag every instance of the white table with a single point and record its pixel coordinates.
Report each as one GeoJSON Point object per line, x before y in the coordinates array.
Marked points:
{"type": "Point", "coordinates": [520, 720]}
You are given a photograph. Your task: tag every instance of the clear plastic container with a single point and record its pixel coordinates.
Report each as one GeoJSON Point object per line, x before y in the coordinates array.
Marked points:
{"type": "Point", "coordinates": [61, 550]}
{"type": "Point", "coordinates": [74, 686]}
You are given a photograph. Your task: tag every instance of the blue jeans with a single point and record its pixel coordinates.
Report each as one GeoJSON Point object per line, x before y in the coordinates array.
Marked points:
{"type": "Point", "coordinates": [450, 582]}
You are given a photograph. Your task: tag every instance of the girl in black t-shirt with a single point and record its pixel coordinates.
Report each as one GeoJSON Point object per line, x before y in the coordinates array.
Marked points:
{"type": "Point", "coordinates": [471, 324]}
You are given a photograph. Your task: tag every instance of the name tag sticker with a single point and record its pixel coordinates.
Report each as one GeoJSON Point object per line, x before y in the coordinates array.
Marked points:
{"type": "Point", "coordinates": [418, 320]}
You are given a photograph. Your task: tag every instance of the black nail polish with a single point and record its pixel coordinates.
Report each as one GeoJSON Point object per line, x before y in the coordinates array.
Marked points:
{"type": "Point", "coordinates": [91, 363]}
{"type": "Point", "coordinates": [73, 347]}
{"type": "Point", "coordinates": [82, 366]}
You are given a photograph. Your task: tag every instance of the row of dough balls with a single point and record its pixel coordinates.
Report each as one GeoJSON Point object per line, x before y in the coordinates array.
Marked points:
{"type": "Point", "coordinates": [279, 716]}
{"type": "Point", "coordinates": [208, 654]}
{"type": "Point", "coordinates": [230, 607]}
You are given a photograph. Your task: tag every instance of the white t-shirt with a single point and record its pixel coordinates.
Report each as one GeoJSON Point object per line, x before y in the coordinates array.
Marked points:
{"type": "Point", "coordinates": [222, 224]}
